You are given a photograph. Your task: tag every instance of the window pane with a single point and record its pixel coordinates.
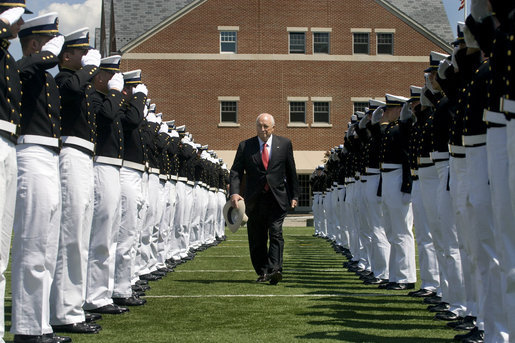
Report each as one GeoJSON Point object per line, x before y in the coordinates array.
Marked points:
{"type": "Point", "coordinates": [385, 43]}
{"type": "Point", "coordinates": [297, 43]}
{"type": "Point", "coordinates": [361, 43]}
{"type": "Point", "coordinates": [321, 42]}
{"type": "Point", "coordinates": [229, 111]}
{"type": "Point", "coordinates": [298, 112]}
{"type": "Point", "coordinates": [321, 112]}
{"type": "Point", "coordinates": [360, 106]}
{"type": "Point", "coordinates": [304, 191]}
{"type": "Point", "coordinates": [228, 41]}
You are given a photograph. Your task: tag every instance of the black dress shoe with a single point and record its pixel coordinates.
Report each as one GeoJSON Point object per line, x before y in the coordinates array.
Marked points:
{"type": "Point", "coordinates": [476, 337]}
{"type": "Point", "coordinates": [400, 286]}
{"type": "Point", "coordinates": [441, 307]}
{"type": "Point", "coordinates": [473, 333]}
{"type": "Point", "coordinates": [158, 273]}
{"type": "Point", "coordinates": [422, 293]}
{"type": "Point", "coordinates": [76, 328]}
{"type": "Point", "coordinates": [385, 285]}
{"type": "Point", "coordinates": [376, 281]}
{"type": "Point", "coordinates": [141, 282]}
{"type": "Point", "coordinates": [60, 339]}
{"type": "Point", "coordinates": [130, 301]}
{"type": "Point", "coordinates": [275, 277]}
{"type": "Point", "coordinates": [149, 277]}
{"type": "Point", "coordinates": [138, 293]}
{"type": "Point", "coordinates": [434, 300]}
{"type": "Point", "coordinates": [263, 278]}
{"type": "Point", "coordinates": [92, 317]}
{"type": "Point", "coordinates": [447, 315]}
{"type": "Point", "coordinates": [33, 338]}
{"type": "Point", "coordinates": [467, 324]}
{"type": "Point", "coordinates": [110, 309]}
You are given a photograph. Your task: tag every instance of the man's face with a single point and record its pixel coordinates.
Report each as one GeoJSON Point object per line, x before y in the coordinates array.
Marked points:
{"type": "Point", "coordinates": [434, 82]}
{"type": "Point", "coordinates": [127, 91]}
{"type": "Point", "coordinates": [73, 58]}
{"type": "Point", "coordinates": [414, 104]}
{"type": "Point", "coordinates": [15, 28]}
{"type": "Point", "coordinates": [264, 127]}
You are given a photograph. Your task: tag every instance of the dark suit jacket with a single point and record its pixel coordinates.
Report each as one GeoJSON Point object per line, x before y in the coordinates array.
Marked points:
{"type": "Point", "coordinates": [281, 174]}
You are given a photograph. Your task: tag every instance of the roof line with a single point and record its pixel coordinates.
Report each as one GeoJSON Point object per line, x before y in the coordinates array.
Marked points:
{"type": "Point", "coordinates": [156, 29]}
{"type": "Point", "coordinates": [418, 27]}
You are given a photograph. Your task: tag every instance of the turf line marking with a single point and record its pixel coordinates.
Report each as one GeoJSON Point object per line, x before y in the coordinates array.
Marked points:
{"type": "Point", "coordinates": [249, 270]}
{"type": "Point", "coordinates": [336, 295]}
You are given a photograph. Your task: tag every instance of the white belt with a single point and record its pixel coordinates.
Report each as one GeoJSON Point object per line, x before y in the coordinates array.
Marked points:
{"type": "Point", "coordinates": [6, 126]}
{"type": "Point", "coordinates": [358, 174]}
{"type": "Point", "coordinates": [494, 117]}
{"type": "Point", "coordinates": [212, 189]}
{"type": "Point", "coordinates": [154, 170]}
{"type": "Point", "coordinates": [474, 140]}
{"type": "Point", "coordinates": [424, 160]}
{"type": "Point", "coordinates": [109, 160]}
{"type": "Point", "coordinates": [163, 177]}
{"type": "Point", "coordinates": [414, 172]}
{"type": "Point", "coordinates": [79, 142]}
{"type": "Point", "coordinates": [507, 105]}
{"type": "Point", "coordinates": [335, 183]}
{"type": "Point", "coordinates": [42, 140]}
{"type": "Point", "coordinates": [349, 179]}
{"type": "Point", "coordinates": [182, 178]}
{"type": "Point", "coordinates": [439, 155]}
{"type": "Point", "coordinates": [191, 183]}
{"type": "Point", "coordinates": [390, 166]}
{"type": "Point", "coordinates": [372, 170]}
{"type": "Point", "coordinates": [221, 191]}
{"type": "Point", "coordinates": [134, 165]}
{"type": "Point", "coordinates": [341, 186]}
{"type": "Point", "coordinates": [363, 178]}
{"type": "Point", "coordinates": [173, 177]}
{"type": "Point", "coordinates": [457, 149]}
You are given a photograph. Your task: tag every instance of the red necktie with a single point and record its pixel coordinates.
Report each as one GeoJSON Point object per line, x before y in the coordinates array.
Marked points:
{"type": "Point", "coordinates": [264, 158]}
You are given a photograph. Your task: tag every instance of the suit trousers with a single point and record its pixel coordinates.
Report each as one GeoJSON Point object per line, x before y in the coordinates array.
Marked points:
{"type": "Point", "coordinates": [429, 273]}
{"type": "Point", "coordinates": [132, 211]}
{"type": "Point", "coordinates": [36, 238]}
{"type": "Point", "coordinates": [399, 229]}
{"type": "Point", "coordinates": [8, 170]}
{"type": "Point", "coordinates": [265, 234]}
{"type": "Point", "coordinates": [104, 232]}
{"type": "Point", "coordinates": [77, 189]}
{"type": "Point", "coordinates": [380, 247]}
{"type": "Point", "coordinates": [503, 220]}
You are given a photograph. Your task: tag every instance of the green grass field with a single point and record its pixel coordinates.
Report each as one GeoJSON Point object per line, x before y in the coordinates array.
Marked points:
{"type": "Point", "coordinates": [214, 299]}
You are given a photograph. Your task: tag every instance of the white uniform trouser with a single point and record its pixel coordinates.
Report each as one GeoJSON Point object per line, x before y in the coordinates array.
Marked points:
{"type": "Point", "coordinates": [36, 238]}
{"type": "Point", "coordinates": [210, 216]}
{"type": "Point", "coordinates": [452, 214]}
{"type": "Point", "coordinates": [328, 206]}
{"type": "Point", "coordinates": [431, 187]}
{"type": "Point", "coordinates": [336, 217]}
{"type": "Point", "coordinates": [323, 216]}
{"type": "Point", "coordinates": [344, 231]}
{"type": "Point", "coordinates": [196, 213]}
{"type": "Point", "coordinates": [68, 290]}
{"type": "Point", "coordinates": [142, 249]}
{"type": "Point", "coordinates": [504, 233]}
{"type": "Point", "coordinates": [132, 204]}
{"type": "Point", "coordinates": [365, 230]}
{"type": "Point", "coordinates": [164, 224]}
{"type": "Point", "coordinates": [155, 192]}
{"type": "Point", "coordinates": [380, 247]}
{"type": "Point", "coordinates": [399, 228]}
{"type": "Point", "coordinates": [220, 214]}
{"type": "Point", "coordinates": [314, 208]}
{"type": "Point", "coordinates": [356, 246]}
{"type": "Point", "coordinates": [175, 239]}
{"type": "Point", "coordinates": [183, 217]}
{"type": "Point", "coordinates": [203, 202]}
{"type": "Point", "coordinates": [429, 274]}
{"type": "Point", "coordinates": [170, 215]}
{"type": "Point", "coordinates": [104, 232]}
{"type": "Point", "coordinates": [8, 170]}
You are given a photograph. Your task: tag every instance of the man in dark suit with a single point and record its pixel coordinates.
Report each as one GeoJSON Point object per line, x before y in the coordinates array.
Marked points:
{"type": "Point", "coordinates": [271, 189]}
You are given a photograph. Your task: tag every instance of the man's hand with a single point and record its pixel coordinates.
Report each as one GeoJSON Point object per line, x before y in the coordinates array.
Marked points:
{"type": "Point", "coordinates": [234, 200]}
{"type": "Point", "coordinates": [293, 203]}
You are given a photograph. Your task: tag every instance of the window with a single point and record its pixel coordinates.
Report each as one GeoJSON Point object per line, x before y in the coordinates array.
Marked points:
{"type": "Point", "coordinates": [385, 43]}
{"type": "Point", "coordinates": [361, 43]}
{"type": "Point", "coordinates": [229, 111]}
{"type": "Point", "coordinates": [304, 191]}
{"type": "Point", "coordinates": [321, 42]}
{"type": "Point", "coordinates": [297, 112]}
{"type": "Point", "coordinates": [360, 106]}
{"type": "Point", "coordinates": [228, 40]}
{"type": "Point", "coordinates": [297, 43]}
{"type": "Point", "coordinates": [321, 112]}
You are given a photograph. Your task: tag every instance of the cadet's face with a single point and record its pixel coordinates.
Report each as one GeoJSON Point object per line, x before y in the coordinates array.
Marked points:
{"type": "Point", "coordinates": [264, 127]}
{"type": "Point", "coordinates": [15, 28]}
{"type": "Point", "coordinates": [76, 58]}
{"type": "Point", "coordinates": [432, 79]}
{"type": "Point", "coordinates": [414, 104]}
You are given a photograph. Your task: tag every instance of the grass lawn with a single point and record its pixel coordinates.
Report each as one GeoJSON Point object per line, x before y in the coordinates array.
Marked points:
{"type": "Point", "coordinates": [214, 299]}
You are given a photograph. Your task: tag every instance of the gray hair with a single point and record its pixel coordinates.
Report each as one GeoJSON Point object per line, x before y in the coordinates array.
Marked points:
{"type": "Point", "coordinates": [266, 114]}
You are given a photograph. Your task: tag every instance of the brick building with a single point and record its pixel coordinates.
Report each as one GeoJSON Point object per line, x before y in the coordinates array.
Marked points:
{"type": "Point", "coordinates": [214, 65]}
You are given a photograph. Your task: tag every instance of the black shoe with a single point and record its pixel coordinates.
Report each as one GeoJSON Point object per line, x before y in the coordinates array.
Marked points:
{"type": "Point", "coordinates": [400, 286]}
{"type": "Point", "coordinates": [48, 338]}
{"type": "Point", "coordinates": [434, 300]}
{"type": "Point", "coordinates": [138, 293]}
{"type": "Point", "coordinates": [477, 337]}
{"type": "Point", "coordinates": [422, 293]}
{"type": "Point", "coordinates": [363, 273]}
{"type": "Point", "coordinates": [385, 285]}
{"type": "Point", "coordinates": [447, 315]}
{"type": "Point", "coordinates": [60, 339]}
{"type": "Point", "coordinates": [475, 331]}
{"type": "Point", "coordinates": [158, 273]}
{"type": "Point", "coordinates": [347, 264]}
{"type": "Point", "coordinates": [149, 277]}
{"type": "Point", "coordinates": [263, 278]}
{"type": "Point", "coordinates": [142, 282]}
{"type": "Point", "coordinates": [92, 317]}
{"type": "Point", "coordinates": [76, 328]}
{"type": "Point", "coordinates": [467, 324]}
{"type": "Point", "coordinates": [110, 309]}
{"type": "Point", "coordinates": [130, 301]}
{"type": "Point", "coordinates": [275, 277]}
{"type": "Point", "coordinates": [355, 269]}
{"type": "Point", "coordinates": [376, 281]}
{"type": "Point", "coordinates": [441, 307]}
{"type": "Point", "coordinates": [370, 276]}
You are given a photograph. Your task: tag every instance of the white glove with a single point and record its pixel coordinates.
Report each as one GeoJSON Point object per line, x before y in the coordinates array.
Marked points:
{"type": "Point", "coordinates": [442, 68]}
{"type": "Point", "coordinates": [159, 117]}
{"type": "Point", "coordinates": [145, 110]}
{"type": "Point", "coordinates": [54, 45]}
{"type": "Point", "coordinates": [429, 85]}
{"type": "Point", "coordinates": [479, 9]}
{"type": "Point", "coordinates": [470, 40]}
{"type": "Point", "coordinates": [116, 82]}
{"type": "Point", "coordinates": [163, 128]}
{"type": "Point", "coordinates": [141, 88]}
{"type": "Point", "coordinates": [406, 112]}
{"type": "Point", "coordinates": [363, 122]}
{"type": "Point", "coordinates": [424, 101]}
{"type": "Point", "coordinates": [151, 117]}
{"type": "Point", "coordinates": [453, 59]}
{"type": "Point", "coordinates": [12, 15]}
{"type": "Point", "coordinates": [91, 58]}
{"type": "Point", "coordinates": [148, 102]}
{"type": "Point", "coordinates": [377, 115]}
